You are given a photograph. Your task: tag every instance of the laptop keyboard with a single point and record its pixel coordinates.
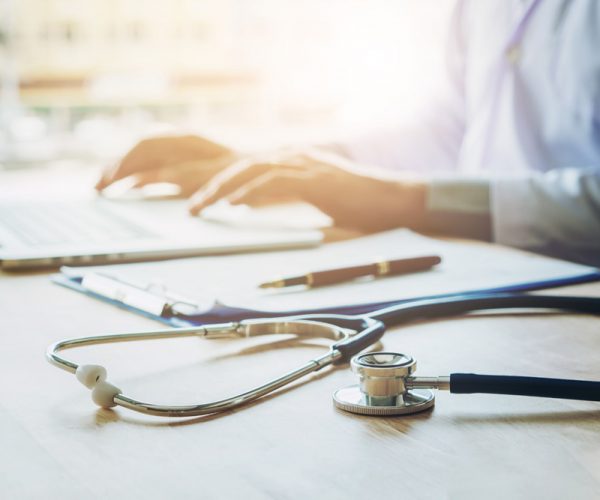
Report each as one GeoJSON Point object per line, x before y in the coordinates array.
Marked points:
{"type": "Point", "coordinates": [60, 223]}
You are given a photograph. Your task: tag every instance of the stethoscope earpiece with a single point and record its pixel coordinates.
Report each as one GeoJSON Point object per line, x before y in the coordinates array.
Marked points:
{"type": "Point", "coordinates": [94, 378]}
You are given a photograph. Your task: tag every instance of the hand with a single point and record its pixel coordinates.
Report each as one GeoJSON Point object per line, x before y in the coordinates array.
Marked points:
{"type": "Point", "coordinates": [186, 161]}
{"type": "Point", "coordinates": [352, 198]}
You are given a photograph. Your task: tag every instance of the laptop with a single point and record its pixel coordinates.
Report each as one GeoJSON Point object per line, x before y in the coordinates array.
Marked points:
{"type": "Point", "coordinates": [103, 231]}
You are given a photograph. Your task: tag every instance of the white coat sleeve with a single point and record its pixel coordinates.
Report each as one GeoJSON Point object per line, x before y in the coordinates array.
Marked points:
{"type": "Point", "coordinates": [555, 212]}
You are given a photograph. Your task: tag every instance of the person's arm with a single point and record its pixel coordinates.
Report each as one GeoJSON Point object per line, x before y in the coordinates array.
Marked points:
{"type": "Point", "coordinates": [557, 212]}
{"type": "Point", "coordinates": [354, 196]}
{"type": "Point", "coordinates": [187, 161]}
{"type": "Point", "coordinates": [458, 207]}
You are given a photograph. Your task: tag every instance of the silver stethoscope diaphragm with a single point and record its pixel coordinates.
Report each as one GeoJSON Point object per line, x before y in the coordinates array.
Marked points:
{"type": "Point", "coordinates": [385, 387]}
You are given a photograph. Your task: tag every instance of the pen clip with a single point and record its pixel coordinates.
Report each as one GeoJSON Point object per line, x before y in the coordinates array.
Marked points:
{"type": "Point", "coordinates": [160, 303]}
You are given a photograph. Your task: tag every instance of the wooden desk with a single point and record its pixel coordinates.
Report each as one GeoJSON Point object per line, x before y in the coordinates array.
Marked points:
{"type": "Point", "coordinates": [55, 443]}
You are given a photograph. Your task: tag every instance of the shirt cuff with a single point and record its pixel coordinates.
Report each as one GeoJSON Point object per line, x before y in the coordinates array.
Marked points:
{"type": "Point", "coordinates": [459, 207]}
{"type": "Point", "coordinates": [469, 196]}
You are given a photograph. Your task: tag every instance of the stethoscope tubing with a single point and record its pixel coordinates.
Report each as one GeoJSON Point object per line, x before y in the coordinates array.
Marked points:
{"type": "Point", "coordinates": [471, 383]}
{"type": "Point", "coordinates": [375, 324]}
{"type": "Point", "coordinates": [235, 329]}
{"type": "Point", "coordinates": [430, 309]}
{"type": "Point", "coordinates": [368, 328]}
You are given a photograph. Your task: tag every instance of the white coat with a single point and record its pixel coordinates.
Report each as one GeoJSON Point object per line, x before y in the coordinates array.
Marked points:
{"type": "Point", "coordinates": [522, 110]}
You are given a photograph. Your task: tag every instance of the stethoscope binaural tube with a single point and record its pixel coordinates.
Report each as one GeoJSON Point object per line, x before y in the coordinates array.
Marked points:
{"type": "Point", "coordinates": [351, 335]}
{"type": "Point", "coordinates": [461, 304]}
{"type": "Point", "coordinates": [337, 328]}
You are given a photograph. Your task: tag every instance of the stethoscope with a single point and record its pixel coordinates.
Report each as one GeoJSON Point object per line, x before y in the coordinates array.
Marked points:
{"type": "Point", "coordinates": [386, 386]}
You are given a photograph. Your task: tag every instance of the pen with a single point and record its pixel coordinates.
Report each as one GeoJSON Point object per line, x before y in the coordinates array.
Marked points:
{"type": "Point", "coordinates": [339, 275]}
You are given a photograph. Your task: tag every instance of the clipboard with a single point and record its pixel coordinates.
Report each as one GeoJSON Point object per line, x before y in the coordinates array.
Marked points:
{"type": "Point", "coordinates": [174, 307]}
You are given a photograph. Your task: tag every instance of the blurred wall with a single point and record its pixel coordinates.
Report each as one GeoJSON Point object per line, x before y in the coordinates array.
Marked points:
{"type": "Point", "coordinates": [310, 67]}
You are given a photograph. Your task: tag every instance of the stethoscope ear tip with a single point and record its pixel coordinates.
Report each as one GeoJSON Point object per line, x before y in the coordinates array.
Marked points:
{"type": "Point", "coordinates": [94, 378]}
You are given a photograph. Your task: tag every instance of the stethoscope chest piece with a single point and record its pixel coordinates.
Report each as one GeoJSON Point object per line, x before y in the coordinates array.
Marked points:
{"type": "Point", "coordinates": [384, 387]}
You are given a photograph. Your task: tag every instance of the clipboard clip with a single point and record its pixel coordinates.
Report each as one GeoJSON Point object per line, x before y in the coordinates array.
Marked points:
{"type": "Point", "coordinates": [153, 298]}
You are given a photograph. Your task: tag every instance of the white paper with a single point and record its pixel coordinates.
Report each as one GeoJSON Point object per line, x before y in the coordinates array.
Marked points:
{"type": "Point", "coordinates": [234, 279]}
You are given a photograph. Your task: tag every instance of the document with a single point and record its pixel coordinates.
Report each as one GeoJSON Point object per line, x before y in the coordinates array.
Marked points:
{"type": "Point", "coordinates": [233, 280]}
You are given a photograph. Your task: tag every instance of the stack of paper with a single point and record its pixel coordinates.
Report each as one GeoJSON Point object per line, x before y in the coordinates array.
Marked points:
{"type": "Point", "coordinates": [233, 279]}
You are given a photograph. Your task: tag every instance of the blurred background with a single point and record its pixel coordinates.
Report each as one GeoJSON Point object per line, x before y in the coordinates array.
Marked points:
{"type": "Point", "coordinates": [84, 80]}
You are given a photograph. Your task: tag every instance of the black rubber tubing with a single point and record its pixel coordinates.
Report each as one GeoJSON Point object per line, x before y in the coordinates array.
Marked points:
{"type": "Point", "coordinates": [499, 384]}
{"type": "Point", "coordinates": [462, 304]}
{"type": "Point", "coordinates": [471, 383]}
{"type": "Point", "coordinates": [372, 328]}
{"type": "Point", "coordinates": [373, 331]}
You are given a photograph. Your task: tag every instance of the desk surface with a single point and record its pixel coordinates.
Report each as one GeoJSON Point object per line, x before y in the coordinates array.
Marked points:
{"type": "Point", "coordinates": [56, 443]}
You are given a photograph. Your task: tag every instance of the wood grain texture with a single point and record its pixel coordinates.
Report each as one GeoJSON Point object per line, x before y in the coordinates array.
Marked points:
{"type": "Point", "coordinates": [295, 445]}
{"type": "Point", "coordinates": [54, 443]}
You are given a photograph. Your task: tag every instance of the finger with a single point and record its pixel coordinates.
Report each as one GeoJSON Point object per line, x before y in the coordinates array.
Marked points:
{"type": "Point", "coordinates": [188, 176]}
{"type": "Point", "coordinates": [159, 152]}
{"type": "Point", "coordinates": [103, 180]}
{"type": "Point", "coordinates": [225, 183]}
{"type": "Point", "coordinates": [152, 177]}
{"type": "Point", "coordinates": [140, 158]}
{"type": "Point", "coordinates": [273, 187]}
